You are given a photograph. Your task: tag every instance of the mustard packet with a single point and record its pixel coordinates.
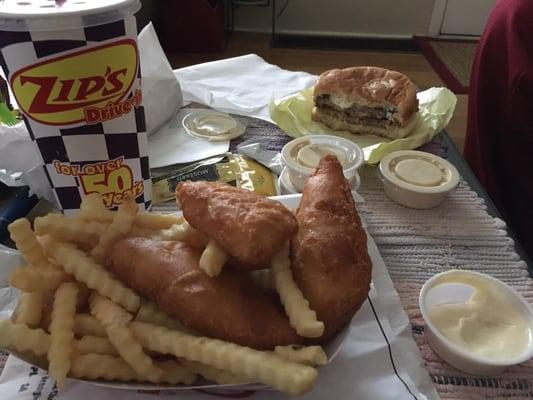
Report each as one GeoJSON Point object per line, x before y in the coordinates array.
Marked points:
{"type": "Point", "coordinates": [232, 168]}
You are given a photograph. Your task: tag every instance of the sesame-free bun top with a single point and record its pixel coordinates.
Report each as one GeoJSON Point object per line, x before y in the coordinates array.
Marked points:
{"type": "Point", "coordinates": [370, 87]}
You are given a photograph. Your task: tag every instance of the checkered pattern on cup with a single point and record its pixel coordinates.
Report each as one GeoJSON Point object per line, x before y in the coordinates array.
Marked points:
{"type": "Point", "coordinates": [81, 144]}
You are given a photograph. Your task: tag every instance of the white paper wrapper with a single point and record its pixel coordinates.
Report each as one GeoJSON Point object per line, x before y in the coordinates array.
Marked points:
{"type": "Point", "coordinates": [17, 154]}
{"type": "Point", "coordinates": [173, 145]}
{"type": "Point", "coordinates": [9, 260]}
{"type": "Point", "coordinates": [378, 359]}
{"type": "Point", "coordinates": [161, 89]}
{"type": "Point", "coordinates": [241, 85]}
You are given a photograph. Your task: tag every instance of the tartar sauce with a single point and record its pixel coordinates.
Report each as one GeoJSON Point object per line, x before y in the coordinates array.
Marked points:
{"type": "Point", "coordinates": [213, 124]}
{"type": "Point", "coordinates": [487, 324]}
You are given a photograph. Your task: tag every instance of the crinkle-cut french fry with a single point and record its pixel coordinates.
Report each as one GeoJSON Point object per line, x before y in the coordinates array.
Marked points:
{"type": "Point", "coordinates": [213, 259]}
{"type": "Point", "coordinates": [33, 279]}
{"type": "Point", "coordinates": [92, 208]}
{"type": "Point", "coordinates": [85, 324]}
{"type": "Point", "coordinates": [151, 314]}
{"type": "Point", "coordinates": [30, 308]}
{"type": "Point", "coordinates": [301, 317]}
{"type": "Point", "coordinates": [155, 221]}
{"type": "Point", "coordinates": [46, 317]}
{"type": "Point", "coordinates": [69, 229]}
{"type": "Point", "coordinates": [26, 241]}
{"type": "Point", "coordinates": [253, 365]}
{"type": "Point", "coordinates": [211, 373]}
{"type": "Point", "coordinates": [131, 351]}
{"type": "Point", "coordinates": [182, 233]}
{"type": "Point", "coordinates": [83, 297]}
{"type": "Point", "coordinates": [22, 338]}
{"type": "Point", "coordinates": [114, 319]}
{"type": "Point", "coordinates": [100, 366]}
{"type": "Point", "coordinates": [135, 231]}
{"type": "Point", "coordinates": [86, 270]}
{"type": "Point", "coordinates": [263, 278]}
{"type": "Point", "coordinates": [94, 344]}
{"type": "Point", "coordinates": [118, 229]}
{"type": "Point", "coordinates": [107, 312]}
{"type": "Point", "coordinates": [61, 332]}
{"type": "Point", "coordinates": [175, 373]}
{"type": "Point", "coordinates": [308, 355]}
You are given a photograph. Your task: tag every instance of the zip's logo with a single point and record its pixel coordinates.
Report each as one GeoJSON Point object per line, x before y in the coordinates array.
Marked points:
{"type": "Point", "coordinates": [65, 89]}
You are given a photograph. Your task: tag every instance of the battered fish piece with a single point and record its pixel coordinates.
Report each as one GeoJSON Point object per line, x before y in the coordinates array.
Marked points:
{"type": "Point", "coordinates": [330, 262]}
{"type": "Point", "coordinates": [228, 307]}
{"type": "Point", "coordinates": [249, 227]}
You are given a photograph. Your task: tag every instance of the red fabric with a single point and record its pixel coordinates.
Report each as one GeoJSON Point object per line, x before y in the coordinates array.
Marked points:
{"type": "Point", "coordinates": [499, 139]}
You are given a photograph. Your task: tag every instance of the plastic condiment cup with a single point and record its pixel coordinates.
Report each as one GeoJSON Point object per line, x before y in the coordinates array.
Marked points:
{"type": "Point", "coordinates": [286, 186]}
{"type": "Point", "coordinates": [348, 153]}
{"type": "Point", "coordinates": [73, 67]}
{"type": "Point", "coordinates": [417, 179]}
{"type": "Point", "coordinates": [213, 126]}
{"type": "Point", "coordinates": [446, 288]}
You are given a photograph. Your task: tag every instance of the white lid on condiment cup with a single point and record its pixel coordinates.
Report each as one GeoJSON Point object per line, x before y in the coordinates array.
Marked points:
{"type": "Point", "coordinates": [417, 179]}
{"type": "Point", "coordinates": [49, 15]}
{"type": "Point", "coordinates": [447, 288]}
{"type": "Point", "coordinates": [213, 125]}
{"type": "Point", "coordinates": [301, 156]}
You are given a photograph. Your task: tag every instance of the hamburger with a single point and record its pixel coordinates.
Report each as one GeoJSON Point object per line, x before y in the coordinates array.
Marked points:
{"type": "Point", "coordinates": [366, 100]}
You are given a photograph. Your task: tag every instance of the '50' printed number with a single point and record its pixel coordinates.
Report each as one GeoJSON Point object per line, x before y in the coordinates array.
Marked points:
{"type": "Point", "coordinates": [116, 181]}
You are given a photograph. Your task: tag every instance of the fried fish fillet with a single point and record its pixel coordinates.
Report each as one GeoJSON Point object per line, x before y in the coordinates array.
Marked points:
{"type": "Point", "coordinates": [228, 307]}
{"type": "Point", "coordinates": [249, 227]}
{"type": "Point", "coordinates": [330, 262]}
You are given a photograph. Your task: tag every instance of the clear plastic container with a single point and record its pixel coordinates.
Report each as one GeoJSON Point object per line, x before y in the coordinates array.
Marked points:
{"type": "Point", "coordinates": [301, 156]}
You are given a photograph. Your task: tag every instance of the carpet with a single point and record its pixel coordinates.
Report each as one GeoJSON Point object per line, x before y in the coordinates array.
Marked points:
{"type": "Point", "coordinates": [451, 59]}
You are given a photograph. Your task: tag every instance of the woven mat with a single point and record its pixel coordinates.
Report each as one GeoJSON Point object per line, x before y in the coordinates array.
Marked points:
{"type": "Point", "coordinates": [416, 244]}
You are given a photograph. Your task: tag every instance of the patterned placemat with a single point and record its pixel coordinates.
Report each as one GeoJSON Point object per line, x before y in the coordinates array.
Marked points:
{"type": "Point", "coordinates": [416, 244]}
{"type": "Point", "coordinates": [459, 234]}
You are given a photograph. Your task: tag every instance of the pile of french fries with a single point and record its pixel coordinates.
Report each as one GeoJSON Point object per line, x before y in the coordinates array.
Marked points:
{"type": "Point", "coordinates": [89, 325]}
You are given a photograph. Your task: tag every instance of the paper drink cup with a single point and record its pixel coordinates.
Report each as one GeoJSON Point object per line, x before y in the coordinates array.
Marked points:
{"type": "Point", "coordinates": [73, 67]}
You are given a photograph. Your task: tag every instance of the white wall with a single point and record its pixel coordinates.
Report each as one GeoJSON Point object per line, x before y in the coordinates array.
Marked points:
{"type": "Point", "coordinates": [392, 18]}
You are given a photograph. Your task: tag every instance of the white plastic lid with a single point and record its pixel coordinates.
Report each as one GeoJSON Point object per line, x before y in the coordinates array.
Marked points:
{"type": "Point", "coordinates": [304, 153]}
{"type": "Point", "coordinates": [418, 171]}
{"type": "Point", "coordinates": [47, 15]}
{"type": "Point", "coordinates": [310, 155]}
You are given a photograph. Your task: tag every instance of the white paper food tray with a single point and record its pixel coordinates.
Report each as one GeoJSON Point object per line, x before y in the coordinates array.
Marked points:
{"type": "Point", "coordinates": [331, 349]}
